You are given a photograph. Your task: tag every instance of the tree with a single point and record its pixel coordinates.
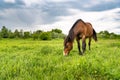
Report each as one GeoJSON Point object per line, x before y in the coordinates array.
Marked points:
{"type": "Point", "coordinates": [104, 34]}
{"type": "Point", "coordinates": [113, 35]}
{"type": "Point", "coordinates": [56, 33]}
{"type": "Point", "coordinates": [36, 34]}
{"type": "Point", "coordinates": [57, 30]}
{"type": "Point", "coordinates": [38, 31]}
{"type": "Point", "coordinates": [45, 36]}
{"type": "Point", "coordinates": [21, 34]}
{"type": "Point", "coordinates": [27, 34]}
{"type": "Point", "coordinates": [16, 34]}
{"type": "Point", "coordinates": [11, 34]}
{"type": "Point", "coordinates": [4, 32]}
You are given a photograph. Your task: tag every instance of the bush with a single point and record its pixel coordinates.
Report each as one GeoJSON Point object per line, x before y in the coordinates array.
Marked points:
{"type": "Point", "coordinates": [35, 36]}
{"type": "Point", "coordinates": [57, 35]}
{"type": "Point", "coordinates": [45, 36]}
{"type": "Point", "coordinates": [57, 31]}
{"type": "Point", "coordinates": [107, 35]}
{"type": "Point", "coordinates": [27, 34]}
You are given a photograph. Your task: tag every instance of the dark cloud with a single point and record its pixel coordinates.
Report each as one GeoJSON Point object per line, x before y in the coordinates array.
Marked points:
{"type": "Point", "coordinates": [77, 4]}
{"type": "Point", "coordinates": [105, 6]}
{"type": "Point", "coordinates": [17, 4]}
{"type": "Point", "coordinates": [47, 12]}
{"type": "Point", "coordinates": [95, 5]}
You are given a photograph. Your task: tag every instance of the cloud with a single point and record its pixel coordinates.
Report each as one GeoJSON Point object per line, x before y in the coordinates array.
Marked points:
{"type": "Point", "coordinates": [22, 16]}
{"type": "Point", "coordinates": [98, 5]}
{"type": "Point", "coordinates": [30, 3]}
{"type": "Point", "coordinates": [48, 14]}
{"type": "Point", "coordinates": [58, 1]}
{"type": "Point", "coordinates": [100, 20]}
{"type": "Point", "coordinates": [9, 1]}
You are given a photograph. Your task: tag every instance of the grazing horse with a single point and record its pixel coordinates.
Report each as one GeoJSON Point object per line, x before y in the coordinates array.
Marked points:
{"type": "Point", "coordinates": [80, 30]}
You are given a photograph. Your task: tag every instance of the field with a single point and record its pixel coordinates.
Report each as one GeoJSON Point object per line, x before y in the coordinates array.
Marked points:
{"type": "Point", "coordinates": [43, 60]}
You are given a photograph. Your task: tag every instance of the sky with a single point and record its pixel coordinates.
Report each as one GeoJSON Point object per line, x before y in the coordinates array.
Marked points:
{"type": "Point", "coordinates": [31, 15]}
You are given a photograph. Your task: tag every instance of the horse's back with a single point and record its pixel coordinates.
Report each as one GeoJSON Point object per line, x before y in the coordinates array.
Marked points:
{"type": "Point", "coordinates": [89, 30]}
{"type": "Point", "coordinates": [83, 29]}
{"type": "Point", "coordinates": [79, 29]}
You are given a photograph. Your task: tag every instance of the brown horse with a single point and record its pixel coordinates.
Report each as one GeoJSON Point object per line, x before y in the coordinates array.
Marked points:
{"type": "Point", "coordinates": [80, 30]}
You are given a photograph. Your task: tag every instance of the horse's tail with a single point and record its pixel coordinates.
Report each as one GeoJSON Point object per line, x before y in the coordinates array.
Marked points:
{"type": "Point", "coordinates": [94, 35]}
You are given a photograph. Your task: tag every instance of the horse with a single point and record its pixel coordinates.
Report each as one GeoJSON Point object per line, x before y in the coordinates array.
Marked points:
{"type": "Point", "coordinates": [80, 30]}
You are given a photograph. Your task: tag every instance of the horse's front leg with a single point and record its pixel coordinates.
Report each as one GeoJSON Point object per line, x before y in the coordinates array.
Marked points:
{"type": "Point", "coordinates": [83, 44]}
{"type": "Point", "coordinates": [78, 43]}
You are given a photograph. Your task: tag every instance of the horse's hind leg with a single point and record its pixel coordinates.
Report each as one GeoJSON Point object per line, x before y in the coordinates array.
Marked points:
{"type": "Point", "coordinates": [83, 44]}
{"type": "Point", "coordinates": [89, 43]}
{"type": "Point", "coordinates": [78, 42]}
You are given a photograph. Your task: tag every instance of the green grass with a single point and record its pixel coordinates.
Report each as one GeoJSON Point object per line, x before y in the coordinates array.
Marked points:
{"type": "Point", "coordinates": [44, 60]}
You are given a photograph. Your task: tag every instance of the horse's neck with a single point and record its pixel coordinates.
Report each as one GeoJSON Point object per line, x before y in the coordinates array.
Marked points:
{"type": "Point", "coordinates": [73, 38]}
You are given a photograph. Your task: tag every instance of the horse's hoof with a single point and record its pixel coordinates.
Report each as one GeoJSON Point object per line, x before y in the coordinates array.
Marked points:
{"type": "Point", "coordinates": [81, 54]}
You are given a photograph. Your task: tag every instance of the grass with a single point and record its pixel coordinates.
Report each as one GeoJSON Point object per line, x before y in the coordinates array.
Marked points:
{"type": "Point", "coordinates": [44, 60]}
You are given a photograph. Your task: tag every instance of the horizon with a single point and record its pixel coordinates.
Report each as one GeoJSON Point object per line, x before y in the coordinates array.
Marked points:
{"type": "Point", "coordinates": [46, 30]}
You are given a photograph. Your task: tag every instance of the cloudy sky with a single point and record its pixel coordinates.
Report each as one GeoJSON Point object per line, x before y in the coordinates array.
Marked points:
{"type": "Point", "coordinates": [48, 14]}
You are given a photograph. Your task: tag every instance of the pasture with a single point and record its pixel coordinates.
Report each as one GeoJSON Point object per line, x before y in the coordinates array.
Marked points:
{"type": "Point", "coordinates": [43, 60]}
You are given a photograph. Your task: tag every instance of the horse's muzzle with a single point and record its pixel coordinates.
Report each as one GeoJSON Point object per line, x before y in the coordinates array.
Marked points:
{"type": "Point", "coordinates": [65, 54]}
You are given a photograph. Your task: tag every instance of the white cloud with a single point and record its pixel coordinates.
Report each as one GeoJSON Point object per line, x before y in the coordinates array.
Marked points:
{"type": "Point", "coordinates": [91, 4]}
{"type": "Point", "coordinates": [31, 2]}
{"type": "Point", "coordinates": [100, 20]}
{"type": "Point", "coordinates": [60, 0]}
{"type": "Point", "coordinates": [104, 20]}
{"type": "Point", "coordinates": [37, 16]}
{"type": "Point", "coordinates": [109, 0]}
{"type": "Point", "coordinates": [9, 1]}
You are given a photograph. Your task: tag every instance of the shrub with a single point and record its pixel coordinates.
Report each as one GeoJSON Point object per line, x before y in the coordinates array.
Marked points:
{"type": "Point", "coordinates": [107, 35]}
{"type": "Point", "coordinates": [27, 34]}
{"type": "Point", "coordinates": [57, 35]}
{"type": "Point", "coordinates": [45, 36]}
{"type": "Point", "coordinates": [57, 31]}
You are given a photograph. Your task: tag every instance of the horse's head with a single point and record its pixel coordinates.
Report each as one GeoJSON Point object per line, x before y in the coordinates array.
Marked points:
{"type": "Point", "coordinates": [67, 48]}
{"type": "Point", "coordinates": [68, 45]}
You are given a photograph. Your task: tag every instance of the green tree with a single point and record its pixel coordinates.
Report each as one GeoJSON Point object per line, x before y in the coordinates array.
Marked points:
{"type": "Point", "coordinates": [57, 33]}
{"type": "Point", "coordinates": [45, 36]}
{"type": "Point", "coordinates": [11, 34]}
{"type": "Point", "coordinates": [104, 34]}
{"type": "Point", "coordinates": [113, 35]}
{"type": "Point", "coordinates": [0, 35]}
{"type": "Point", "coordinates": [54, 35]}
{"type": "Point", "coordinates": [4, 32]}
{"type": "Point", "coordinates": [16, 34]}
{"type": "Point", "coordinates": [21, 34]}
{"type": "Point", "coordinates": [27, 34]}
{"type": "Point", "coordinates": [36, 34]}
{"type": "Point", "coordinates": [38, 31]}
{"type": "Point", "coordinates": [57, 30]}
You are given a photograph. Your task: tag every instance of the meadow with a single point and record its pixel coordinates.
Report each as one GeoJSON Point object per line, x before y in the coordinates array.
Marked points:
{"type": "Point", "coordinates": [27, 59]}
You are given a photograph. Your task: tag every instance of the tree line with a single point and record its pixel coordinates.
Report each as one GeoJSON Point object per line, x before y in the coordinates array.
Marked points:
{"type": "Point", "coordinates": [36, 35]}
{"type": "Point", "coordinates": [41, 35]}
{"type": "Point", "coordinates": [106, 35]}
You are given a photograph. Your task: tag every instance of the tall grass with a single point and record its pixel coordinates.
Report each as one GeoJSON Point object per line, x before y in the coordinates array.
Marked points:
{"type": "Point", "coordinates": [43, 60]}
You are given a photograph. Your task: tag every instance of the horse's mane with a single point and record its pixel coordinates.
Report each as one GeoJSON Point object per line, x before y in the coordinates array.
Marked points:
{"type": "Point", "coordinates": [70, 37]}
{"type": "Point", "coordinates": [76, 23]}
